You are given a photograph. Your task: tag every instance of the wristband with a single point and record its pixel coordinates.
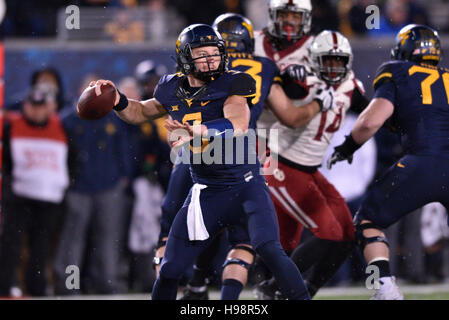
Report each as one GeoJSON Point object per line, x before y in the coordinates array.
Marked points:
{"type": "Point", "coordinates": [123, 102]}
{"type": "Point", "coordinates": [218, 127]}
{"type": "Point", "coordinates": [156, 262]}
{"type": "Point", "coordinates": [349, 146]}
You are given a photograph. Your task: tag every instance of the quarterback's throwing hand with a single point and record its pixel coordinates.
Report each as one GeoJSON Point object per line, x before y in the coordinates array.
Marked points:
{"type": "Point", "coordinates": [101, 82]}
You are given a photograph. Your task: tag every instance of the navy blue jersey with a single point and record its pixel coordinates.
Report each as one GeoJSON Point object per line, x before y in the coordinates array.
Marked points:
{"type": "Point", "coordinates": [420, 95]}
{"type": "Point", "coordinates": [206, 104]}
{"type": "Point", "coordinates": [263, 70]}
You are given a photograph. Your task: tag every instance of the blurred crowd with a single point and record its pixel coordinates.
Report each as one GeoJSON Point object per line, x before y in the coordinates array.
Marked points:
{"type": "Point", "coordinates": [98, 207]}
{"type": "Point", "coordinates": [348, 16]}
{"type": "Point", "coordinates": [80, 193]}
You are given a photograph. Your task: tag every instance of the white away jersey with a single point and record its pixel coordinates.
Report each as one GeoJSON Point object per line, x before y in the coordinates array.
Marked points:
{"type": "Point", "coordinates": [307, 145]}
{"type": "Point", "coordinates": [295, 54]}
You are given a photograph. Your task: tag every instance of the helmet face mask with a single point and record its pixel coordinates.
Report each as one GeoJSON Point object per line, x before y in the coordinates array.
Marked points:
{"type": "Point", "coordinates": [290, 20]}
{"type": "Point", "coordinates": [206, 59]}
{"type": "Point", "coordinates": [197, 36]}
{"type": "Point", "coordinates": [237, 32]}
{"type": "Point", "coordinates": [417, 43]}
{"type": "Point", "coordinates": [333, 67]}
{"type": "Point", "coordinates": [331, 56]}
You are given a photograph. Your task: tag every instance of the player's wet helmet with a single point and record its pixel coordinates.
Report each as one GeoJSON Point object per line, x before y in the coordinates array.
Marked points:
{"type": "Point", "coordinates": [195, 36]}
{"type": "Point", "coordinates": [281, 29]}
{"type": "Point", "coordinates": [331, 45]}
{"type": "Point", "coordinates": [237, 32]}
{"type": "Point", "coordinates": [417, 43]}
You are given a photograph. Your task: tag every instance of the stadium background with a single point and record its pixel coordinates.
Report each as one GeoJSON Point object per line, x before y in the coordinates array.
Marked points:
{"type": "Point", "coordinates": [116, 35]}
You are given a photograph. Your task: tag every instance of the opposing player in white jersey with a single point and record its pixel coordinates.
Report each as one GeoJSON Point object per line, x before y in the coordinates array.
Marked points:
{"type": "Point", "coordinates": [301, 194]}
{"type": "Point", "coordinates": [286, 41]}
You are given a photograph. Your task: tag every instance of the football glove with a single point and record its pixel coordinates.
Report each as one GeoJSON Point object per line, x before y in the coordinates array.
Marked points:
{"type": "Point", "coordinates": [325, 98]}
{"type": "Point", "coordinates": [343, 152]}
{"type": "Point", "coordinates": [295, 72]}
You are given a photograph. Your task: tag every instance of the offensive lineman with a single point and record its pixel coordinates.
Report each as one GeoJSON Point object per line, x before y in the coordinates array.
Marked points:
{"type": "Point", "coordinates": [413, 93]}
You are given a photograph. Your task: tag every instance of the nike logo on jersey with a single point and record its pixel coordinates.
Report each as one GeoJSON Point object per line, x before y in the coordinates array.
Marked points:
{"type": "Point", "coordinates": [203, 103]}
{"type": "Point", "coordinates": [220, 133]}
{"type": "Point", "coordinates": [400, 165]}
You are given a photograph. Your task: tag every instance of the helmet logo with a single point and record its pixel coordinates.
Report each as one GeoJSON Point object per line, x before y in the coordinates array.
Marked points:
{"type": "Point", "coordinates": [404, 36]}
{"type": "Point", "coordinates": [249, 28]}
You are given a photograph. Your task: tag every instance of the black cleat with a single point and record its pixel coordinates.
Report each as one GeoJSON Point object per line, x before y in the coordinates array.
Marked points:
{"type": "Point", "coordinates": [268, 290]}
{"type": "Point", "coordinates": [195, 293]}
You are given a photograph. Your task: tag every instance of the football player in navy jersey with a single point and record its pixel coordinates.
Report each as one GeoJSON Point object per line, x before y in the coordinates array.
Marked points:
{"type": "Point", "coordinates": [238, 36]}
{"type": "Point", "coordinates": [412, 93]}
{"type": "Point", "coordinates": [206, 102]}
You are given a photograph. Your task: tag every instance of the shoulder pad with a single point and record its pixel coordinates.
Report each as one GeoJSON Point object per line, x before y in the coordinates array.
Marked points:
{"type": "Point", "coordinates": [232, 71]}
{"type": "Point", "coordinates": [383, 74]}
{"type": "Point", "coordinates": [242, 84]}
{"type": "Point", "coordinates": [266, 61]}
{"type": "Point", "coordinates": [168, 77]}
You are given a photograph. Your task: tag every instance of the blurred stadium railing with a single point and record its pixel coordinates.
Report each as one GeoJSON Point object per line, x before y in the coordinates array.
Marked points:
{"type": "Point", "coordinates": [132, 25]}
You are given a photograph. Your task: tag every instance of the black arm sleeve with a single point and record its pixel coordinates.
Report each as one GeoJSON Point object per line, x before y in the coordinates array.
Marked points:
{"type": "Point", "coordinates": [358, 101]}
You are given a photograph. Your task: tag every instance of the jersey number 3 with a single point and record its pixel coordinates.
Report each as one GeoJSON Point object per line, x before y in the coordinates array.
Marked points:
{"type": "Point", "coordinates": [196, 118]}
{"type": "Point", "coordinates": [255, 68]}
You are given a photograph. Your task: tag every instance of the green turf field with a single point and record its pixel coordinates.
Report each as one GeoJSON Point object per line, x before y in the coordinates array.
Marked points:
{"type": "Point", "coordinates": [411, 292]}
{"type": "Point", "coordinates": [410, 296]}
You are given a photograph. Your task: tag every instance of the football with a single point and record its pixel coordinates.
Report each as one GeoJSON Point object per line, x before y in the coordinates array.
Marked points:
{"type": "Point", "coordinates": [96, 102]}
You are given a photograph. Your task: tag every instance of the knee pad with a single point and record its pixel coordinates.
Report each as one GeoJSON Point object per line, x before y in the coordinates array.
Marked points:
{"type": "Point", "coordinates": [247, 249]}
{"type": "Point", "coordinates": [363, 241]}
{"type": "Point", "coordinates": [238, 261]}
